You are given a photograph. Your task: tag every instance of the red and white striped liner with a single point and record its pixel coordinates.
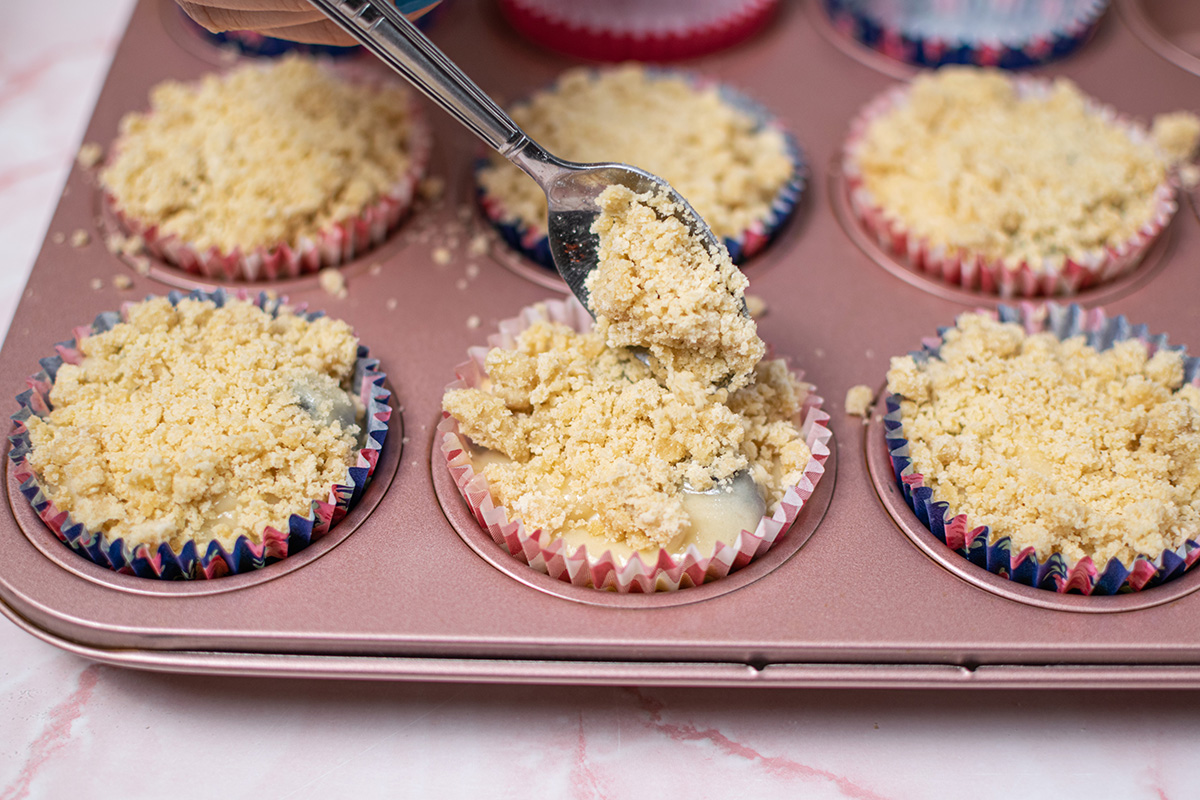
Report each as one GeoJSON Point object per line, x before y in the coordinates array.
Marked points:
{"type": "Point", "coordinates": [606, 571]}
{"type": "Point", "coordinates": [972, 270]}
{"type": "Point", "coordinates": [330, 247]}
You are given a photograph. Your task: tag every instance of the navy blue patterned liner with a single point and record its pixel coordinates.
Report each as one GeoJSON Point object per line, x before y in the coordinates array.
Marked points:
{"type": "Point", "coordinates": [215, 561]}
{"type": "Point", "coordinates": [1064, 25]}
{"type": "Point", "coordinates": [1055, 573]}
{"type": "Point", "coordinates": [536, 246]}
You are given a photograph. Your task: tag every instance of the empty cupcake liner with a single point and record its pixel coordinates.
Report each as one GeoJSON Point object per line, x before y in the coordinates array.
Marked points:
{"type": "Point", "coordinates": [215, 560]}
{"type": "Point", "coordinates": [1014, 34]}
{"type": "Point", "coordinates": [957, 266]}
{"type": "Point", "coordinates": [534, 243]}
{"type": "Point", "coordinates": [1056, 573]}
{"type": "Point", "coordinates": [606, 571]}
{"type": "Point", "coordinates": [612, 30]}
{"type": "Point", "coordinates": [330, 247]}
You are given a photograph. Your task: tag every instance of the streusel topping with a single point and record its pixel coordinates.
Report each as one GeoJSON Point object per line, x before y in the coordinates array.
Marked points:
{"type": "Point", "coordinates": [969, 161]}
{"type": "Point", "coordinates": [193, 422]}
{"type": "Point", "coordinates": [711, 152]}
{"type": "Point", "coordinates": [264, 154]}
{"type": "Point", "coordinates": [1061, 447]}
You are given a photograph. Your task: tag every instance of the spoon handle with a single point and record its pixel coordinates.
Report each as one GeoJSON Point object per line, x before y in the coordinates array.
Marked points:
{"type": "Point", "coordinates": [384, 31]}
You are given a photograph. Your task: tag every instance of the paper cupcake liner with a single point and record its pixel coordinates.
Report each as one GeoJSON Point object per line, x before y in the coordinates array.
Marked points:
{"type": "Point", "coordinates": [974, 271]}
{"type": "Point", "coordinates": [215, 560]}
{"type": "Point", "coordinates": [534, 243]}
{"type": "Point", "coordinates": [1055, 28]}
{"type": "Point", "coordinates": [1056, 573]}
{"type": "Point", "coordinates": [605, 571]}
{"type": "Point", "coordinates": [622, 31]}
{"type": "Point", "coordinates": [330, 247]}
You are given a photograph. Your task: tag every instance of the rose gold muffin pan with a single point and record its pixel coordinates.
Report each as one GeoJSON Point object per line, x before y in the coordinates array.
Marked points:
{"type": "Point", "coordinates": [407, 587]}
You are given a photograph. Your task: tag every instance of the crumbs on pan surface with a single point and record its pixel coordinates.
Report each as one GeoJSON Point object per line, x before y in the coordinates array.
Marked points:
{"type": "Point", "coordinates": [1059, 446]}
{"type": "Point", "coordinates": [707, 149]}
{"type": "Point", "coordinates": [859, 399]}
{"type": "Point", "coordinates": [260, 155]}
{"type": "Point", "coordinates": [199, 423]}
{"type": "Point", "coordinates": [968, 161]}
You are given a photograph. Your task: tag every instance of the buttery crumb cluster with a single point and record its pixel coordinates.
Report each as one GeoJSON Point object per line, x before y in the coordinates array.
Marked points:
{"type": "Point", "coordinates": [1055, 444]}
{"type": "Point", "coordinates": [595, 440]}
{"type": "Point", "coordinates": [660, 288]}
{"type": "Point", "coordinates": [715, 155]}
{"type": "Point", "coordinates": [259, 156]}
{"type": "Point", "coordinates": [198, 423]}
{"type": "Point", "coordinates": [970, 161]}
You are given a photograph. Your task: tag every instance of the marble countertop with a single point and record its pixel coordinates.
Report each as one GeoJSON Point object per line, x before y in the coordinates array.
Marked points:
{"type": "Point", "coordinates": [69, 727]}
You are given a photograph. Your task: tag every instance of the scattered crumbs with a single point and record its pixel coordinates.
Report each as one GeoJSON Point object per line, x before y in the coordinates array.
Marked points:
{"type": "Point", "coordinates": [333, 282]}
{"type": "Point", "coordinates": [478, 245]}
{"type": "Point", "coordinates": [89, 155]}
{"type": "Point", "coordinates": [755, 305]}
{"type": "Point", "coordinates": [391, 304]}
{"type": "Point", "coordinates": [876, 726]}
{"type": "Point", "coordinates": [858, 401]}
{"type": "Point", "coordinates": [122, 282]}
{"type": "Point", "coordinates": [80, 238]}
{"type": "Point", "coordinates": [141, 265]}
{"type": "Point", "coordinates": [473, 321]}
{"type": "Point", "coordinates": [870, 353]}
{"type": "Point", "coordinates": [472, 271]}
{"type": "Point", "coordinates": [58, 237]}
{"type": "Point", "coordinates": [461, 284]}
{"type": "Point", "coordinates": [375, 268]}
{"type": "Point", "coordinates": [465, 212]}
{"type": "Point", "coordinates": [1189, 176]}
{"type": "Point", "coordinates": [97, 284]}
{"type": "Point", "coordinates": [432, 188]}
{"type": "Point", "coordinates": [819, 352]}
{"type": "Point", "coordinates": [442, 256]}
{"type": "Point", "coordinates": [120, 245]}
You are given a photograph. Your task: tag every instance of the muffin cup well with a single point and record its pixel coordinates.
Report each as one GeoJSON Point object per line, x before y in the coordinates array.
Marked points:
{"type": "Point", "coordinates": [215, 560]}
{"type": "Point", "coordinates": [622, 31]}
{"type": "Point", "coordinates": [1052, 29]}
{"type": "Point", "coordinates": [533, 242]}
{"type": "Point", "coordinates": [961, 267]}
{"type": "Point", "coordinates": [606, 571]}
{"type": "Point", "coordinates": [1057, 572]}
{"type": "Point", "coordinates": [331, 246]}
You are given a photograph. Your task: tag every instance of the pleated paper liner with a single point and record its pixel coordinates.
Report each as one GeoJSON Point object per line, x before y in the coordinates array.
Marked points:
{"type": "Point", "coordinates": [1056, 573]}
{"type": "Point", "coordinates": [533, 242]}
{"type": "Point", "coordinates": [1013, 35]}
{"type": "Point", "coordinates": [604, 570]}
{"type": "Point", "coordinates": [974, 271]}
{"type": "Point", "coordinates": [214, 560]}
{"type": "Point", "coordinates": [331, 246]}
{"type": "Point", "coordinates": [618, 30]}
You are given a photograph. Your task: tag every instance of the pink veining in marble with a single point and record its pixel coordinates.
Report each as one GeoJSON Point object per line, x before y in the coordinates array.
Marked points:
{"type": "Point", "coordinates": [777, 765]}
{"type": "Point", "coordinates": [57, 733]}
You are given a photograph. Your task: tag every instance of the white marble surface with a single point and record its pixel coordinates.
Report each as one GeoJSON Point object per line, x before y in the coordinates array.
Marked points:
{"type": "Point", "coordinates": [70, 728]}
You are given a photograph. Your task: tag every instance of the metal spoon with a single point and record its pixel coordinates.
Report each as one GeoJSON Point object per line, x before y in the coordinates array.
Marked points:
{"type": "Point", "coordinates": [571, 189]}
